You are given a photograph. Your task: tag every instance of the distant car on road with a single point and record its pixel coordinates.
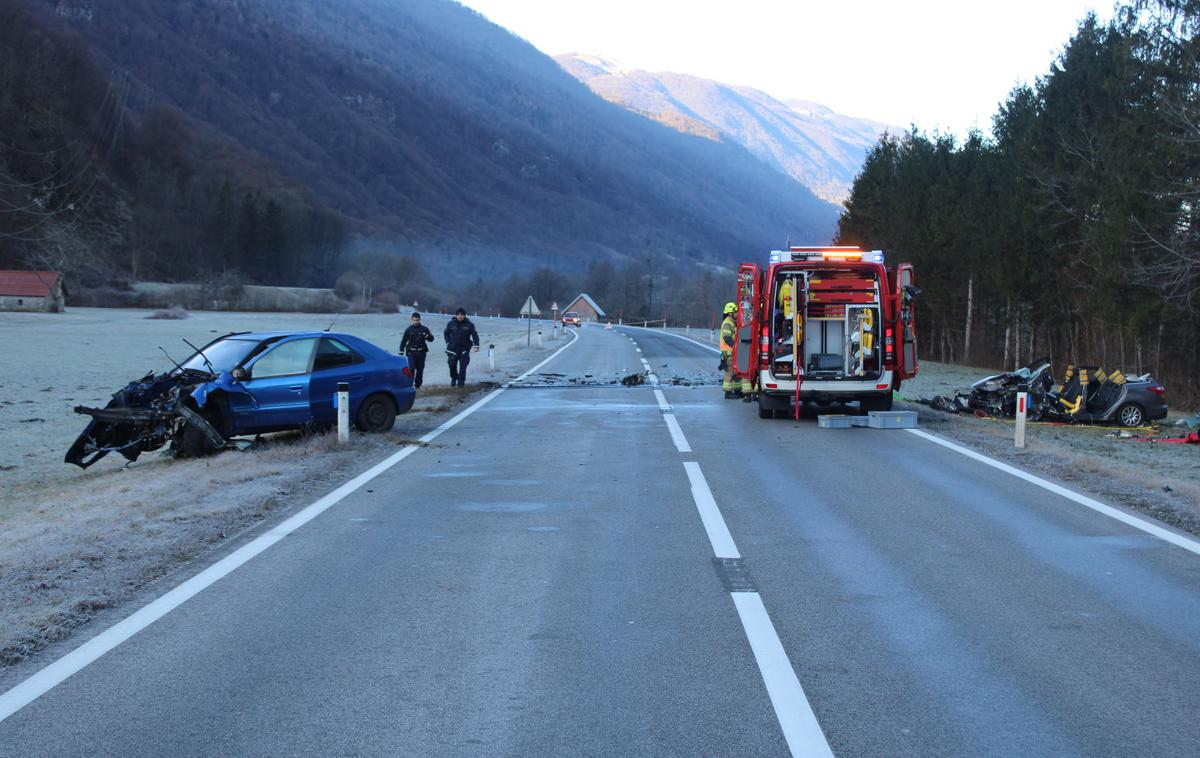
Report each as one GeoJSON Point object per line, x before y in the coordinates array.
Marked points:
{"type": "Point", "coordinates": [571, 318]}
{"type": "Point", "coordinates": [249, 383]}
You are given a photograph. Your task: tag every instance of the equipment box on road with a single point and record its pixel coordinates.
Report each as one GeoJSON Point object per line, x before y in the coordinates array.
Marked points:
{"type": "Point", "coordinates": [892, 420]}
{"type": "Point", "coordinates": [833, 421]}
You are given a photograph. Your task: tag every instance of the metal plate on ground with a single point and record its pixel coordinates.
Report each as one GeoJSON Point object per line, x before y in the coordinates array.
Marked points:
{"type": "Point", "coordinates": [892, 420]}
{"type": "Point", "coordinates": [833, 421]}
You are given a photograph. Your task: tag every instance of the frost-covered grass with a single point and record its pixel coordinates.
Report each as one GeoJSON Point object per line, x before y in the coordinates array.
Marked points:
{"type": "Point", "coordinates": [74, 542]}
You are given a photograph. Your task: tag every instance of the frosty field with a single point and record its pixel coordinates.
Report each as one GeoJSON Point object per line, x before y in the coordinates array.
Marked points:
{"type": "Point", "coordinates": [75, 542]}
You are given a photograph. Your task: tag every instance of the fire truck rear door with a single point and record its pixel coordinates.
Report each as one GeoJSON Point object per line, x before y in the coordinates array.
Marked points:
{"type": "Point", "coordinates": [907, 363]}
{"type": "Point", "coordinates": [744, 347]}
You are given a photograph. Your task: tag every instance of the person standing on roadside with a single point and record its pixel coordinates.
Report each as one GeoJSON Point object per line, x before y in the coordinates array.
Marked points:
{"type": "Point", "coordinates": [414, 346]}
{"type": "Point", "coordinates": [460, 337]}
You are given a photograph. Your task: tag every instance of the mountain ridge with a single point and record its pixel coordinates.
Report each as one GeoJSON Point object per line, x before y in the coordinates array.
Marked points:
{"type": "Point", "coordinates": [808, 141]}
{"type": "Point", "coordinates": [442, 134]}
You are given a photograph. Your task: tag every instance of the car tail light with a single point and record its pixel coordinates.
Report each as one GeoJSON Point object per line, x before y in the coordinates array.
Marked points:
{"type": "Point", "coordinates": [889, 345]}
{"type": "Point", "coordinates": [770, 386]}
{"type": "Point", "coordinates": [883, 386]}
{"type": "Point", "coordinates": [1158, 389]}
{"type": "Point", "coordinates": [764, 346]}
{"type": "Point", "coordinates": [407, 371]}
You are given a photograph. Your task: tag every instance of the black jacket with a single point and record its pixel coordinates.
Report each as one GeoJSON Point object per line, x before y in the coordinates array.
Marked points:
{"type": "Point", "coordinates": [415, 339]}
{"type": "Point", "coordinates": [460, 336]}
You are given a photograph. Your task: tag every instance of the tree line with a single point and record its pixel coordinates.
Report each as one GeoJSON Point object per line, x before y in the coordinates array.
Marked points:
{"type": "Point", "coordinates": [1073, 230]}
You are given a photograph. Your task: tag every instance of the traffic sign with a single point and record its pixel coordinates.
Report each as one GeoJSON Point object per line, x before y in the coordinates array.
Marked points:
{"type": "Point", "coordinates": [530, 308]}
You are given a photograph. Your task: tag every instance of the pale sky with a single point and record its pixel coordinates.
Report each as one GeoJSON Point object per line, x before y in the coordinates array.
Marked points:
{"type": "Point", "coordinates": [936, 63]}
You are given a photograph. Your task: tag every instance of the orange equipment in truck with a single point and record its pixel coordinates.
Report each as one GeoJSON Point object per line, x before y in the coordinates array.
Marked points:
{"type": "Point", "coordinates": [833, 324]}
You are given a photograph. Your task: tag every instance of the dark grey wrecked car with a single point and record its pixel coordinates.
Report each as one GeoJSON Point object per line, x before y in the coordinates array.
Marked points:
{"type": "Point", "coordinates": [1088, 395]}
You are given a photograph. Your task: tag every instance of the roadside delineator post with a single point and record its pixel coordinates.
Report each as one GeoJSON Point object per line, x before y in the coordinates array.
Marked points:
{"type": "Point", "coordinates": [539, 339]}
{"type": "Point", "coordinates": [491, 357]}
{"type": "Point", "coordinates": [343, 411]}
{"type": "Point", "coordinates": [1022, 412]}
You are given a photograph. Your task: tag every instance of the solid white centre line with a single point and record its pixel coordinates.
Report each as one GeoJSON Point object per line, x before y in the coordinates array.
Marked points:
{"type": "Point", "coordinates": [681, 443]}
{"type": "Point", "coordinates": [662, 400]}
{"type": "Point", "coordinates": [796, 718]}
{"type": "Point", "coordinates": [1179, 540]}
{"type": "Point", "coordinates": [55, 673]}
{"type": "Point", "coordinates": [710, 514]}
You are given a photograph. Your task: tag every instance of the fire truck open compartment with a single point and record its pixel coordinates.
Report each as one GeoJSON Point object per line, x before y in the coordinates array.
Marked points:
{"type": "Point", "coordinates": [825, 324]}
{"type": "Point", "coordinates": [837, 314]}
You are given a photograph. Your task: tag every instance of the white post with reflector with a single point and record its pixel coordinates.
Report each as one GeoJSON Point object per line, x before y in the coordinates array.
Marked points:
{"type": "Point", "coordinates": [491, 357]}
{"type": "Point", "coordinates": [343, 411]}
{"type": "Point", "coordinates": [1022, 412]}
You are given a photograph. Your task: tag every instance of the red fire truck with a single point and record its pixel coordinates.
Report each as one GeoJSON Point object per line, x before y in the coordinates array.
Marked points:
{"type": "Point", "coordinates": [825, 325]}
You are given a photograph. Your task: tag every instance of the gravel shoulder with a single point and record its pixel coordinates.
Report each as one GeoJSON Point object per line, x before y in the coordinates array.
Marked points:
{"type": "Point", "coordinates": [74, 543]}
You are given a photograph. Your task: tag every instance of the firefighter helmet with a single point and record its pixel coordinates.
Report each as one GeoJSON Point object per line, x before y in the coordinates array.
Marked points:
{"type": "Point", "coordinates": [730, 308]}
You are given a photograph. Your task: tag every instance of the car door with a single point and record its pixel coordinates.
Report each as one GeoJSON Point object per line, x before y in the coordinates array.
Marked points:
{"type": "Point", "coordinates": [279, 382]}
{"type": "Point", "coordinates": [335, 362]}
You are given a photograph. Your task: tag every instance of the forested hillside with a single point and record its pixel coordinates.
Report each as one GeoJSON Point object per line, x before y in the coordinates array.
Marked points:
{"type": "Point", "coordinates": [820, 149]}
{"type": "Point", "coordinates": [1073, 232]}
{"type": "Point", "coordinates": [88, 188]}
{"type": "Point", "coordinates": [442, 136]}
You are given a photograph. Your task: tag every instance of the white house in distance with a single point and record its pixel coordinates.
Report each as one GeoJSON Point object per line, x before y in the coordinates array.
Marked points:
{"type": "Point", "coordinates": [32, 291]}
{"type": "Point", "coordinates": [586, 307]}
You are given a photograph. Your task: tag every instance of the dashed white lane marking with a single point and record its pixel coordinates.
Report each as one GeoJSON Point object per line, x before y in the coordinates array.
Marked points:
{"type": "Point", "coordinates": [662, 400]}
{"type": "Point", "coordinates": [681, 443]}
{"type": "Point", "coordinates": [799, 724]}
{"type": "Point", "coordinates": [710, 514]}
{"type": "Point", "coordinates": [1179, 540]}
{"type": "Point", "coordinates": [689, 339]}
{"type": "Point", "coordinates": [639, 349]}
{"type": "Point", "coordinates": [55, 673]}
{"type": "Point", "coordinates": [796, 718]}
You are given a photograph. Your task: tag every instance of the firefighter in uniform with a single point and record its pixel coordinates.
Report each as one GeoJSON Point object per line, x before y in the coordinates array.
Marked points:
{"type": "Point", "coordinates": [728, 335]}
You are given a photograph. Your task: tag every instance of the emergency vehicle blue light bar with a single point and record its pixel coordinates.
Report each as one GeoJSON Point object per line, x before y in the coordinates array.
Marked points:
{"type": "Point", "coordinates": [832, 253]}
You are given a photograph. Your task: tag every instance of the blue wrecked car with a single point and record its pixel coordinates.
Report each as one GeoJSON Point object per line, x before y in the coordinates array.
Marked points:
{"type": "Point", "coordinates": [248, 383]}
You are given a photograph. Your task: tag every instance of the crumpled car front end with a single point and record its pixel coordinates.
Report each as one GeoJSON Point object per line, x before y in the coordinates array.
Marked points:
{"type": "Point", "coordinates": [143, 416]}
{"type": "Point", "coordinates": [997, 395]}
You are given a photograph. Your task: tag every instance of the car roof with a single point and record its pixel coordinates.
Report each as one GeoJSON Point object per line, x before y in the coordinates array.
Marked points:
{"type": "Point", "coordinates": [260, 336]}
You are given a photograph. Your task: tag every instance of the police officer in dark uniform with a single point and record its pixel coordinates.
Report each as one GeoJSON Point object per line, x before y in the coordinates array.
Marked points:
{"type": "Point", "coordinates": [460, 336]}
{"type": "Point", "coordinates": [414, 345]}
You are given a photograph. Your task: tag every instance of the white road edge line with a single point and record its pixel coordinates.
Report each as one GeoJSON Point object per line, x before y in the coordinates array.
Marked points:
{"type": "Point", "coordinates": [681, 443]}
{"type": "Point", "coordinates": [662, 400]}
{"type": "Point", "coordinates": [55, 673]}
{"type": "Point", "coordinates": [1174, 538]}
{"type": "Point", "coordinates": [800, 728]}
{"type": "Point", "coordinates": [710, 514]}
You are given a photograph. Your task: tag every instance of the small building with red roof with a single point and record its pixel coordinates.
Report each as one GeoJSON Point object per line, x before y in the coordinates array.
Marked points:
{"type": "Point", "coordinates": [32, 291]}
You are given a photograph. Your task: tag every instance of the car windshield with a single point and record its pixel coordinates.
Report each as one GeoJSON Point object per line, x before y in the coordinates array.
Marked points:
{"type": "Point", "coordinates": [224, 355]}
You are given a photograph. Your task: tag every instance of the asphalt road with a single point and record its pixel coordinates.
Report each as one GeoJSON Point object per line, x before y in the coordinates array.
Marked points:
{"type": "Point", "coordinates": [583, 568]}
